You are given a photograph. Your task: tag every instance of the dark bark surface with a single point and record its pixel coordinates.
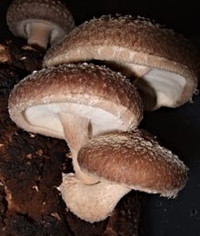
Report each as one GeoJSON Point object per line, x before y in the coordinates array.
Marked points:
{"type": "Point", "coordinates": [31, 168]}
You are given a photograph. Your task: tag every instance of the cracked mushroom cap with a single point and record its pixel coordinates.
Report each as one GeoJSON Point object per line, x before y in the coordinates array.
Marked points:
{"type": "Point", "coordinates": [165, 63]}
{"type": "Point", "coordinates": [96, 93]}
{"type": "Point", "coordinates": [135, 160]}
{"type": "Point", "coordinates": [32, 19]}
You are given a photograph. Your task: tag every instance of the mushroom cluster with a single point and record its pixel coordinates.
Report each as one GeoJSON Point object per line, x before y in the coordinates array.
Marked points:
{"type": "Point", "coordinates": [97, 110]}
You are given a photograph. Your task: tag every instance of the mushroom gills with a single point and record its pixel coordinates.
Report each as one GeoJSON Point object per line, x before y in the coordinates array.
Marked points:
{"type": "Point", "coordinates": [157, 87]}
{"type": "Point", "coordinates": [46, 116]}
{"type": "Point", "coordinates": [160, 88]}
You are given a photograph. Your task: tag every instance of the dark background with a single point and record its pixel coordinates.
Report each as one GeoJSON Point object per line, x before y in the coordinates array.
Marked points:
{"type": "Point", "coordinates": [177, 129]}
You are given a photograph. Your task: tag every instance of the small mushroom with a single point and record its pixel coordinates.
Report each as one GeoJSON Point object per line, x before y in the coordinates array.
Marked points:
{"type": "Point", "coordinates": [75, 102]}
{"type": "Point", "coordinates": [165, 63]}
{"type": "Point", "coordinates": [41, 22]}
{"type": "Point", "coordinates": [121, 162]}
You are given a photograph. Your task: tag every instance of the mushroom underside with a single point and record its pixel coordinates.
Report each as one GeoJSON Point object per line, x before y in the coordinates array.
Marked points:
{"type": "Point", "coordinates": [160, 88]}
{"type": "Point", "coordinates": [40, 32]}
{"type": "Point", "coordinates": [45, 118]}
{"type": "Point", "coordinates": [158, 79]}
{"type": "Point", "coordinates": [157, 87]}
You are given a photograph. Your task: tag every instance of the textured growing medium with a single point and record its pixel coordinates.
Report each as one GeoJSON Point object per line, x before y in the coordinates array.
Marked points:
{"type": "Point", "coordinates": [4, 54]}
{"type": "Point", "coordinates": [25, 160]}
{"type": "Point", "coordinates": [53, 11]}
{"type": "Point", "coordinates": [14, 53]}
{"type": "Point", "coordinates": [85, 84]}
{"type": "Point", "coordinates": [134, 159]}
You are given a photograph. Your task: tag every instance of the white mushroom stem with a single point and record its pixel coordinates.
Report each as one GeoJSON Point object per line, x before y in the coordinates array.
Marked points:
{"type": "Point", "coordinates": [38, 33]}
{"type": "Point", "coordinates": [77, 132]}
{"type": "Point", "coordinates": [91, 203]}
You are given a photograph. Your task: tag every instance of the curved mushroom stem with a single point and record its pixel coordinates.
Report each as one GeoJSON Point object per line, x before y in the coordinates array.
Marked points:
{"type": "Point", "coordinates": [38, 33]}
{"type": "Point", "coordinates": [77, 131]}
{"type": "Point", "coordinates": [91, 203]}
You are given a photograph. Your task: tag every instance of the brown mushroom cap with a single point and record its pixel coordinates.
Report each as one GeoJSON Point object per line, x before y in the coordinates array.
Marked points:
{"type": "Point", "coordinates": [133, 159]}
{"type": "Point", "coordinates": [166, 63]}
{"type": "Point", "coordinates": [51, 14]}
{"type": "Point", "coordinates": [104, 97]}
